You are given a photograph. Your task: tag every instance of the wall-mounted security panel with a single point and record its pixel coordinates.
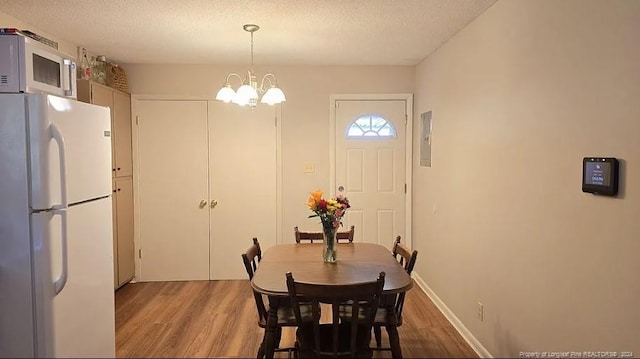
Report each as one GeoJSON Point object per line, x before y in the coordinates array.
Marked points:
{"type": "Point", "coordinates": [600, 175]}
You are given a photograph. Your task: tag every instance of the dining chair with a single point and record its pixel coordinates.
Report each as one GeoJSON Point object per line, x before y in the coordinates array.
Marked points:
{"type": "Point", "coordinates": [407, 259]}
{"type": "Point", "coordinates": [337, 338]}
{"type": "Point", "coordinates": [341, 236]}
{"type": "Point", "coordinates": [251, 259]}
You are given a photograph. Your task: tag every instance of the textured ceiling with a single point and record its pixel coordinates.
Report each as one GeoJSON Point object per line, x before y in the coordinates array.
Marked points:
{"type": "Point", "coordinates": [293, 32]}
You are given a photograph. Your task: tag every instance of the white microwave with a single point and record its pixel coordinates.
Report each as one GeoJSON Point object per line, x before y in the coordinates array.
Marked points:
{"type": "Point", "coordinates": [28, 66]}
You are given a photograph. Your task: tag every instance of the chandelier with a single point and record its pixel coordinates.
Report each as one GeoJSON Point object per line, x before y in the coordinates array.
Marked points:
{"type": "Point", "coordinates": [249, 91]}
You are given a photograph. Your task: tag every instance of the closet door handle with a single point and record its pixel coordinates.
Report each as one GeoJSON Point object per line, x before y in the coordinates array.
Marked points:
{"type": "Point", "coordinates": [214, 203]}
{"type": "Point", "coordinates": [203, 204]}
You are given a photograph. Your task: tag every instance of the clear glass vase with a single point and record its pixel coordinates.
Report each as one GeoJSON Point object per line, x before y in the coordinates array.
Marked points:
{"type": "Point", "coordinates": [330, 248]}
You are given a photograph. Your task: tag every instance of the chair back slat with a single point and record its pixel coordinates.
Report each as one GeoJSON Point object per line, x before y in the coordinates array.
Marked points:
{"type": "Point", "coordinates": [304, 236]}
{"type": "Point", "coordinates": [346, 235]}
{"type": "Point", "coordinates": [407, 259]}
{"type": "Point", "coordinates": [365, 298]}
{"type": "Point", "coordinates": [251, 258]}
{"type": "Point", "coordinates": [311, 237]}
{"type": "Point", "coordinates": [394, 252]}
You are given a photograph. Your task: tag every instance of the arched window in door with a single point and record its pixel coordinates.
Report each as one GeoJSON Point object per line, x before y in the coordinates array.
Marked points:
{"type": "Point", "coordinates": [370, 125]}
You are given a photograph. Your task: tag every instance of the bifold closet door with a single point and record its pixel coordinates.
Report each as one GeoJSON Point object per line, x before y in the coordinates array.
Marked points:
{"type": "Point", "coordinates": [173, 186]}
{"type": "Point", "coordinates": [242, 143]}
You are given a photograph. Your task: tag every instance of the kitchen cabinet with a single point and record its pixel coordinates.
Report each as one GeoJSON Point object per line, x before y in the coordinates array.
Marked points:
{"type": "Point", "coordinates": [120, 104]}
{"type": "Point", "coordinates": [124, 259]}
{"type": "Point", "coordinates": [122, 172]}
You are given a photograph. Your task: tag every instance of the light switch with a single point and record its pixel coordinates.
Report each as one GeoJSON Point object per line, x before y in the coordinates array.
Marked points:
{"type": "Point", "coordinates": [308, 168]}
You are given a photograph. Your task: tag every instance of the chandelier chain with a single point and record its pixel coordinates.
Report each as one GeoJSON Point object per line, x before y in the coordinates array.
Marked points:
{"type": "Point", "coordinates": [252, 49]}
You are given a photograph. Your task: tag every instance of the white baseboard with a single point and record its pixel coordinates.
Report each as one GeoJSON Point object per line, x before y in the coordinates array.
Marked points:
{"type": "Point", "coordinates": [464, 332]}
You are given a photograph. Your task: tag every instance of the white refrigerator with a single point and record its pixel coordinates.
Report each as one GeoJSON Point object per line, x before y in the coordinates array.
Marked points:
{"type": "Point", "coordinates": [56, 252]}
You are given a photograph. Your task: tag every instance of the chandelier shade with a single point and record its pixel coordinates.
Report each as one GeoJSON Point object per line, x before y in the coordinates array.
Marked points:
{"type": "Point", "coordinates": [273, 96]}
{"type": "Point", "coordinates": [250, 90]}
{"type": "Point", "coordinates": [226, 94]}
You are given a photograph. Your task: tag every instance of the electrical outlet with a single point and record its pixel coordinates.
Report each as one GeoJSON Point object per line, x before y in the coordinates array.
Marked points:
{"type": "Point", "coordinates": [480, 311]}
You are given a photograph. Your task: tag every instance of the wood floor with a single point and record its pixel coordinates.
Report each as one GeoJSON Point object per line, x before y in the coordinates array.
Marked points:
{"type": "Point", "coordinates": [219, 319]}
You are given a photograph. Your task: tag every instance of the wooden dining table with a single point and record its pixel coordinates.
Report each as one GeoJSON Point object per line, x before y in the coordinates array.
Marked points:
{"type": "Point", "coordinates": [357, 262]}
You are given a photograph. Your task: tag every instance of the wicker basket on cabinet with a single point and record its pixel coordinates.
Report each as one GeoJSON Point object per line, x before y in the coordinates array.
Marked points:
{"type": "Point", "coordinates": [117, 78]}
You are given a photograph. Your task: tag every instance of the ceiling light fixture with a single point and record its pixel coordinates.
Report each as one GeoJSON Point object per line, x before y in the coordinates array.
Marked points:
{"type": "Point", "coordinates": [249, 91]}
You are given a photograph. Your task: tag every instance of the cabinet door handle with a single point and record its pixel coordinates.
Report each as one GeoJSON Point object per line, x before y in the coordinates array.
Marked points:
{"type": "Point", "coordinates": [214, 203]}
{"type": "Point", "coordinates": [203, 204]}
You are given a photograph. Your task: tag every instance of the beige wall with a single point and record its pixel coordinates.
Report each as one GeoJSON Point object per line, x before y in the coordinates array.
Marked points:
{"type": "Point", "coordinates": [305, 115]}
{"type": "Point", "coordinates": [63, 45]}
{"type": "Point", "coordinates": [518, 98]}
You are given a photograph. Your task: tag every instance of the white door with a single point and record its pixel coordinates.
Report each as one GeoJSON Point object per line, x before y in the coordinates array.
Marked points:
{"type": "Point", "coordinates": [173, 190]}
{"type": "Point", "coordinates": [242, 161]}
{"type": "Point", "coordinates": [370, 143]}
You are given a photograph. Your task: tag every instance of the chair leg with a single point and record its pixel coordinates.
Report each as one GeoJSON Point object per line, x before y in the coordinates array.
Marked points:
{"type": "Point", "coordinates": [292, 352]}
{"type": "Point", "coordinates": [278, 337]}
{"type": "Point", "coordinates": [296, 349]}
{"type": "Point", "coordinates": [378, 334]}
{"type": "Point", "coordinates": [394, 341]}
{"type": "Point", "coordinates": [261, 351]}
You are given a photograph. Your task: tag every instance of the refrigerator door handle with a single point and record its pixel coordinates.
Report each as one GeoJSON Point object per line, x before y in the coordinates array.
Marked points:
{"type": "Point", "coordinates": [61, 209]}
{"type": "Point", "coordinates": [62, 280]}
{"type": "Point", "coordinates": [55, 133]}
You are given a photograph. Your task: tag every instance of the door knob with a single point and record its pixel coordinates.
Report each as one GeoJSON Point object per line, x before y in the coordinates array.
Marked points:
{"type": "Point", "coordinates": [203, 203]}
{"type": "Point", "coordinates": [214, 203]}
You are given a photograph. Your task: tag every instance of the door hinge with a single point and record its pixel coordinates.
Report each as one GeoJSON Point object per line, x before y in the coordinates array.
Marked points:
{"type": "Point", "coordinates": [405, 188]}
{"type": "Point", "coordinates": [139, 253]}
{"type": "Point", "coordinates": [137, 121]}
{"type": "Point", "coordinates": [406, 120]}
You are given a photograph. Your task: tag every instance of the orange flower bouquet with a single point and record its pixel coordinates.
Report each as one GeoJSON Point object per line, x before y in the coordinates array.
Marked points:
{"type": "Point", "coordinates": [330, 211]}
